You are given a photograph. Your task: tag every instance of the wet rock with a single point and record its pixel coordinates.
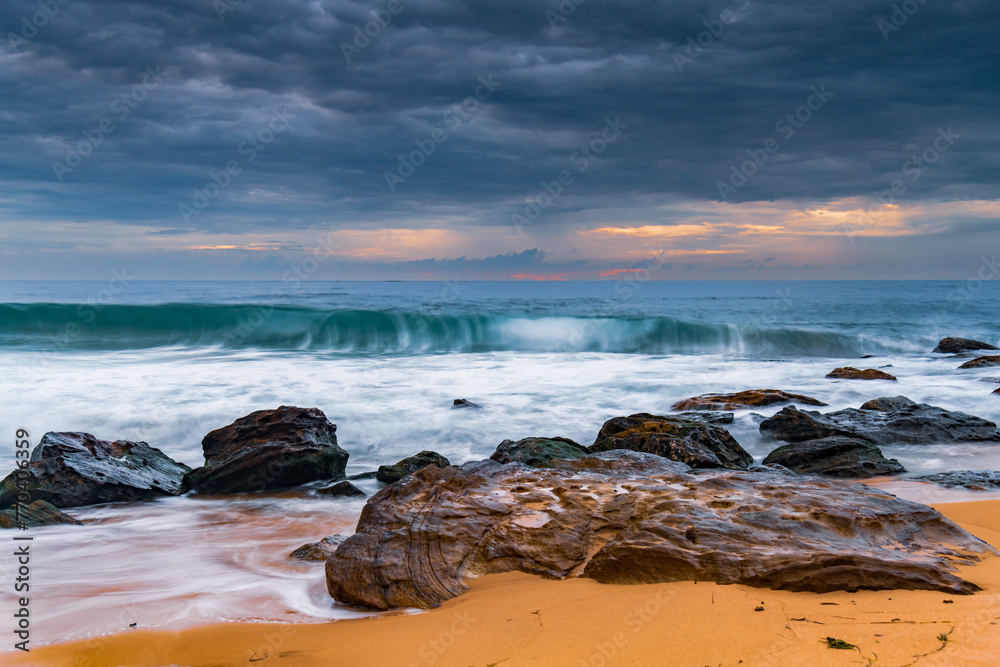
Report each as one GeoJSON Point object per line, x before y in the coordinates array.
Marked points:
{"type": "Point", "coordinates": [538, 451]}
{"type": "Point", "coordinates": [318, 550]}
{"type": "Point", "coordinates": [269, 449]}
{"type": "Point", "coordinates": [976, 480]}
{"type": "Point", "coordinates": [997, 390]}
{"type": "Point", "coordinates": [848, 373]}
{"type": "Point", "coordinates": [38, 513]}
{"type": "Point", "coordinates": [835, 456]}
{"type": "Point", "coordinates": [74, 469]}
{"type": "Point", "coordinates": [707, 417]}
{"type": "Point", "coordinates": [866, 356]}
{"type": "Point", "coordinates": [342, 489]}
{"type": "Point", "coordinates": [697, 444]}
{"type": "Point", "coordinates": [411, 464]}
{"type": "Point", "coordinates": [754, 398]}
{"type": "Point", "coordinates": [371, 474]}
{"type": "Point", "coordinates": [624, 518]}
{"type": "Point", "coordinates": [982, 362]}
{"type": "Point", "coordinates": [464, 403]}
{"type": "Point", "coordinates": [959, 345]}
{"type": "Point", "coordinates": [882, 421]}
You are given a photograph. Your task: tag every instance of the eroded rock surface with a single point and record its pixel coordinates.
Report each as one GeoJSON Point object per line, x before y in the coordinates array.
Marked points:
{"type": "Point", "coordinates": [849, 373]}
{"type": "Point", "coordinates": [74, 469]}
{"type": "Point", "coordinates": [982, 362]}
{"type": "Point", "coordinates": [538, 451]}
{"type": "Point", "coordinates": [835, 456]}
{"type": "Point", "coordinates": [411, 464]}
{"type": "Point", "coordinates": [882, 421]}
{"type": "Point", "coordinates": [38, 513]}
{"type": "Point", "coordinates": [753, 398]}
{"type": "Point", "coordinates": [975, 480]}
{"type": "Point", "coordinates": [626, 517]}
{"type": "Point", "coordinates": [318, 550]}
{"type": "Point", "coordinates": [269, 449]}
{"type": "Point", "coordinates": [697, 444]}
{"type": "Point", "coordinates": [959, 345]}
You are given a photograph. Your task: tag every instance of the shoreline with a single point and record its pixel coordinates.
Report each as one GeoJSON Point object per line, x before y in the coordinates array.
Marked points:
{"type": "Point", "coordinates": [518, 619]}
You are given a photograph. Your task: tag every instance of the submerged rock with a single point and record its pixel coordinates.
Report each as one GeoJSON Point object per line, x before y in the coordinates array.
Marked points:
{"type": "Point", "coordinates": [342, 489]}
{"type": "Point", "coordinates": [982, 362]}
{"type": "Point", "coordinates": [74, 469]}
{"type": "Point", "coordinates": [706, 417]}
{"type": "Point", "coordinates": [318, 550]}
{"type": "Point", "coordinates": [849, 373]}
{"type": "Point", "coordinates": [835, 456]}
{"type": "Point", "coordinates": [976, 480]}
{"type": "Point", "coordinates": [411, 464]}
{"type": "Point", "coordinates": [538, 451]}
{"type": "Point", "coordinates": [697, 444]}
{"type": "Point", "coordinates": [882, 421]}
{"type": "Point", "coordinates": [754, 398]}
{"type": "Point", "coordinates": [464, 403]}
{"type": "Point", "coordinates": [269, 449]}
{"type": "Point", "coordinates": [959, 345]}
{"type": "Point", "coordinates": [38, 513]}
{"type": "Point", "coordinates": [625, 517]}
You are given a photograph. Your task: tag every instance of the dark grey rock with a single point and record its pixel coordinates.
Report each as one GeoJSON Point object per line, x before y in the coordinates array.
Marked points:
{"type": "Point", "coordinates": [38, 513]}
{"type": "Point", "coordinates": [409, 465]}
{"type": "Point", "coordinates": [976, 480]}
{"type": "Point", "coordinates": [465, 403]}
{"type": "Point", "coordinates": [538, 451]}
{"type": "Point", "coordinates": [959, 345]}
{"type": "Point", "coordinates": [835, 456]}
{"type": "Point", "coordinates": [342, 489]}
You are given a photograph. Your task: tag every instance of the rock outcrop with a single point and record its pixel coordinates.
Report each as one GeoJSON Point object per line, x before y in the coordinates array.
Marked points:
{"type": "Point", "coordinates": [697, 444]}
{"type": "Point", "coordinates": [625, 517]}
{"type": "Point", "coordinates": [342, 489]}
{"type": "Point", "coordinates": [318, 550]}
{"type": "Point", "coordinates": [975, 480]}
{"type": "Point", "coordinates": [411, 464]}
{"type": "Point", "coordinates": [38, 513]}
{"type": "Point", "coordinates": [706, 417]}
{"type": "Point", "coordinates": [835, 456]}
{"type": "Point", "coordinates": [960, 345]}
{"type": "Point", "coordinates": [74, 469]}
{"type": "Point", "coordinates": [464, 403]}
{"type": "Point", "coordinates": [849, 373]}
{"type": "Point", "coordinates": [981, 362]}
{"type": "Point", "coordinates": [754, 398]}
{"type": "Point", "coordinates": [882, 421]}
{"type": "Point", "coordinates": [536, 452]}
{"type": "Point", "coordinates": [269, 449]}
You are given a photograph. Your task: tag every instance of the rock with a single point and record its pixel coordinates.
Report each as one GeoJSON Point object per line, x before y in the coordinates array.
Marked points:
{"type": "Point", "coordinates": [394, 473]}
{"type": "Point", "coordinates": [997, 390]}
{"type": "Point", "coordinates": [318, 550]}
{"type": "Point", "coordinates": [74, 469]}
{"type": "Point", "coordinates": [836, 456]}
{"type": "Point", "coordinates": [959, 345]}
{"type": "Point", "coordinates": [754, 398]}
{"type": "Point", "coordinates": [848, 373]}
{"type": "Point", "coordinates": [982, 362]}
{"type": "Point", "coordinates": [867, 356]}
{"type": "Point", "coordinates": [538, 451]}
{"type": "Point", "coordinates": [371, 474]}
{"type": "Point", "coordinates": [697, 444]}
{"type": "Point", "coordinates": [269, 449]}
{"type": "Point", "coordinates": [464, 403]}
{"type": "Point", "coordinates": [342, 489]}
{"type": "Point", "coordinates": [707, 417]}
{"type": "Point", "coordinates": [38, 513]}
{"type": "Point", "coordinates": [976, 480]}
{"type": "Point", "coordinates": [625, 518]}
{"type": "Point", "coordinates": [882, 421]}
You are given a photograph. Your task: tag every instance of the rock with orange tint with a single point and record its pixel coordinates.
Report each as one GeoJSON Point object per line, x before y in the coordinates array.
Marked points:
{"type": "Point", "coordinates": [960, 345]}
{"type": "Point", "coordinates": [848, 373]}
{"type": "Point", "coordinates": [624, 517]}
{"type": "Point", "coordinates": [754, 398]}
{"type": "Point", "coordinates": [982, 362]}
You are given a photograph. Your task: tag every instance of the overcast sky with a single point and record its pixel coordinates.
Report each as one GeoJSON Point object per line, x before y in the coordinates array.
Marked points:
{"type": "Point", "coordinates": [116, 116]}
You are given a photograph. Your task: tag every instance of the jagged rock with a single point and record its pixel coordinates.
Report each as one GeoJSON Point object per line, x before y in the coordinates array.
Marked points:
{"type": "Point", "coordinates": [835, 456]}
{"type": "Point", "coordinates": [269, 449]}
{"type": "Point", "coordinates": [464, 403]}
{"type": "Point", "coordinates": [997, 390]}
{"type": "Point", "coordinates": [754, 398]}
{"type": "Point", "coordinates": [697, 444]}
{"type": "Point", "coordinates": [394, 473]}
{"type": "Point", "coordinates": [959, 345]}
{"type": "Point", "coordinates": [981, 362]}
{"type": "Point", "coordinates": [848, 373]}
{"type": "Point", "coordinates": [976, 480]}
{"type": "Point", "coordinates": [38, 513]}
{"type": "Point", "coordinates": [707, 417]}
{"type": "Point", "coordinates": [342, 489]}
{"type": "Point", "coordinates": [318, 550]}
{"type": "Point", "coordinates": [882, 421]}
{"type": "Point", "coordinates": [624, 518]}
{"type": "Point", "coordinates": [538, 451]}
{"type": "Point", "coordinates": [74, 469]}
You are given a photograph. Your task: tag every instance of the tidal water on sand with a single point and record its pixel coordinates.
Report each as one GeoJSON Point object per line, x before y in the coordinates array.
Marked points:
{"type": "Point", "coordinates": [166, 363]}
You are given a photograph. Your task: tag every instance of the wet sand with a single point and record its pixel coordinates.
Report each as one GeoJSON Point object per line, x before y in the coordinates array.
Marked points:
{"type": "Point", "coordinates": [516, 619]}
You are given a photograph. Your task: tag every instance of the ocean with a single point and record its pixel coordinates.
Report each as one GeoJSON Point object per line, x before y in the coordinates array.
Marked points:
{"type": "Point", "coordinates": [166, 362]}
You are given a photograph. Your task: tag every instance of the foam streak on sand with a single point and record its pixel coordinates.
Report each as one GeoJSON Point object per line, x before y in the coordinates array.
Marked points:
{"type": "Point", "coordinates": [515, 619]}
